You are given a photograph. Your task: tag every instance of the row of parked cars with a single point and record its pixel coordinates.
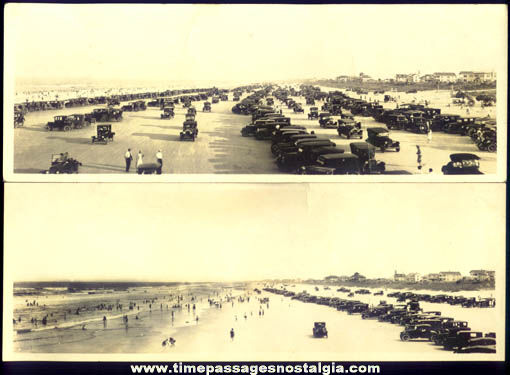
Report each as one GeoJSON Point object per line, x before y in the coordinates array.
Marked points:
{"type": "Point", "coordinates": [79, 121]}
{"type": "Point", "coordinates": [298, 151]}
{"type": "Point", "coordinates": [444, 298]}
{"type": "Point", "coordinates": [114, 99]}
{"type": "Point", "coordinates": [419, 118]}
{"type": "Point", "coordinates": [452, 334]}
{"type": "Point", "coordinates": [460, 163]}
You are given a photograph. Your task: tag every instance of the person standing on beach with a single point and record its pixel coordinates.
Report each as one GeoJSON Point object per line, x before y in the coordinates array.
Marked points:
{"type": "Point", "coordinates": [128, 158]}
{"type": "Point", "coordinates": [429, 135]}
{"type": "Point", "coordinates": [159, 158]}
{"type": "Point", "coordinates": [139, 161]}
{"type": "Point", "coordinates": [232, 334]}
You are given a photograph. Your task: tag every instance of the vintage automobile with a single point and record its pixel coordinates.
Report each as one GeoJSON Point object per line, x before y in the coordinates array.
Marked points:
{"type": "Point", "coordinates": [192, 111]}
{"type": "Point", "coordinates": [283, 134]}
{"type": "Point", "coordinates": [19, 119]}
{"type": "Point", "coordinates": [215, 100]}
{"type": "Point", "coordinates": [168, 113]}
{"type": "Point", "coordinates": [460, 126]}
{"type": "Point", "coordinates": [62, 163]}
{"type": "Point", "coordinates": [270, 101]}
{"type": "Point", "coordinates": [487, 140]}
{"type": "Point", "coordinates": [314, 113]}
{"type": "Point", "coordinates": [442, 122]}
{"type": "Point", "coordinates": [462, 163]}
{"type": "Point", "coordinates": [366, 154]}
{"type": "Point", "coordinates": [349, 129]}
{"type": "Point", "coordinates": [310, 101]}
{"type": "Point", "coordinates": [357, 308]}
{"type": "Point", "coordinates": [106, 114]}
{"type": "Point", "coordinates": [419, 331]}
{"type": "Point", "coordinates": [338, 164]}
{"type": "Point", "coordinates": [104, 134]}
{"type": "Point", "coordinates": [189, 131]}
{"type": "Point", "coordinates": [80, 121]}
{"type": "Point", "coordinates": [376, 311]}
{"type": "Point", "coordinates": [60, 123]}
{"type": "Point", "coordinates": [266, 132]}
{"type": "Point", "coordinates": [319, 330]}
{"type": "Point", "coordinates": [292, 158]}
{"type": "Point", "coordinates": [449, 329]}
{"type": "Point", "coordinates": [418, 125]}
{"type": "Point", "coordinates": [486, 344]}
{"type": "Point", "coordinates": [298, 109]}
{"type": "Point", "coordinates": [207, 107]}
{"type": "Point", "coordinates": [460, 339]}
{"type": "Point", "coordinates": [323, 150]}
{"type": "Point", "coordinates": [290, 145]}
{"type": "Point", "coordinates": [251, 129]}
{"type": "Point", "coordinates": [379, 137]}
{"type": "Point", "coordinates": [139, 105]}
{"type": "Point", "coordinates": [326, 120]}
{"type": "Point", "coordinates": [396, 121]}
{"type": "Point", "coordinates": [111, 102]}
{"type": "Point", "coordinates": [149, 168]}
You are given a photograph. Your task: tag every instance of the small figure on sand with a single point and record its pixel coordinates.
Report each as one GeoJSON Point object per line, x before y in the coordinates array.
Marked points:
{"type": "Point", "coordinates": [232, 334]}
{"type": "Point", "coordinates": [418, 153]}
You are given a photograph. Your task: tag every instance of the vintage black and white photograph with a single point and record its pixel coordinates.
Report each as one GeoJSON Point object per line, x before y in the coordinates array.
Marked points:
{"type": "Point", "coordinates": [255, 92]}
{"type": "Point", "coordinates": [393, 272]}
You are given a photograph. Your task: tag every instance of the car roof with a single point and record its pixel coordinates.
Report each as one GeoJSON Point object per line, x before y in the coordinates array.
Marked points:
{"type": "Point", "coordinates": [330, 149]}
{"type": "Point", "coordinates": [463, 156]}
{"type": "Point", "coordinates": [362, 145]}
{"type": "Point", "coordinates": [339, 156]}
{"type": "Point", "coordinates": [315, 142]}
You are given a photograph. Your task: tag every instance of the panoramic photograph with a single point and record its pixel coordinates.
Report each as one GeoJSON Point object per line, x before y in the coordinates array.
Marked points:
{"type": "Point", "coordinates": [255, 91]}
{"type": "Point", "coordinates": [254, 272]}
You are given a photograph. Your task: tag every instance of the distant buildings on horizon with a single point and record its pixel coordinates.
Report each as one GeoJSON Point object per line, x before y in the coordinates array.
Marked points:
{"type": "Point", "coordinates": [438, 77]}
{"type": "Point", "coordinates": [444, 276]}
{"type": "Point", "coordinates": [414, 277]}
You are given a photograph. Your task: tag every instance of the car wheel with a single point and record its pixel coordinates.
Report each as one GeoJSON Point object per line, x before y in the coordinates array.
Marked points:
{"type": "Point", "coordinates": [492, 147]}
{"type": "Point", "coordinates": [397, 149]}
{"type": "Point", "coordinates": [67, 128]}
{"type": "Point", "coordinates": [405, 337]}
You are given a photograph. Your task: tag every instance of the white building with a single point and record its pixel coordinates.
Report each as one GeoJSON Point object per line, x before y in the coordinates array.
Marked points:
{"type": "Point", "coordinates": [413, 277]}
{"type": "Point", "coordinates": [445, 77]}
{"type": "Point", "coordinates": [482, 275]}
{"type": "Point", "coordinates": [399, 277]}
{"type": "Point", "coordinates": [449, 276]}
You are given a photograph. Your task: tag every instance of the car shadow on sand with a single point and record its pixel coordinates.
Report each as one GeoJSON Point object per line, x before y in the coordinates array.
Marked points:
{"type": "Point", "coordinates": [176, 127]}
{"type": "Point", "coordinates": [80, 141]}
{"type": "Point", "coordinates": [41, 129]}
{"type": "Point", "coordinates": [27, 170]}
{"type": "Point", "coordinates": [397, 172]}
{"type": "Point", "coordinates": [106, 167]}
{"type": "Point", "coordinates": [159, 137]}
{"type": "Point", "coordinates": [146, 117]}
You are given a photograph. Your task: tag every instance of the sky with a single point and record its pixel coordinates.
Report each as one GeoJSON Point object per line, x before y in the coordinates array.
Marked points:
{"type": "Point", "coordinates": [238, 232]}
{"type": "Point", "coordinates": [249, 43]}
